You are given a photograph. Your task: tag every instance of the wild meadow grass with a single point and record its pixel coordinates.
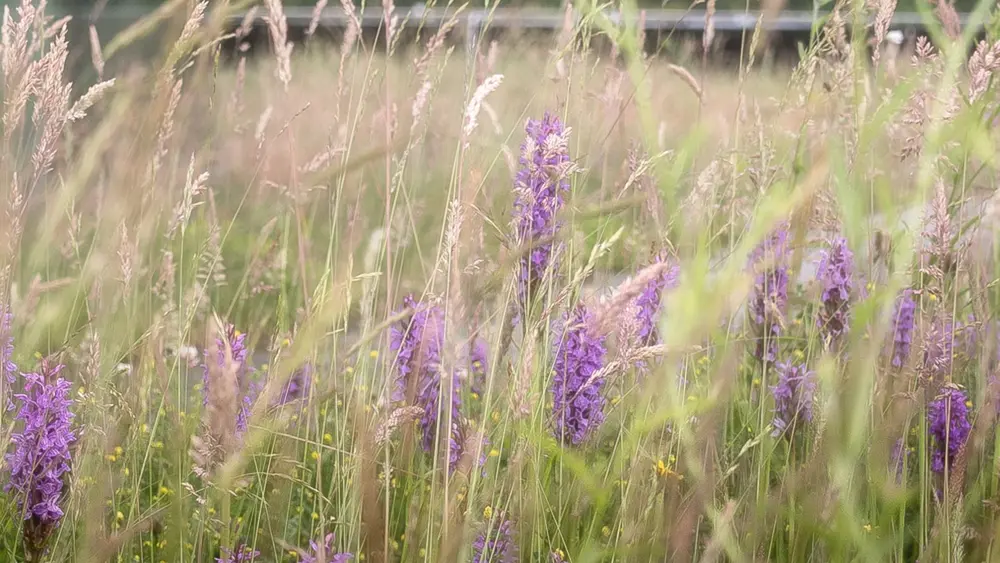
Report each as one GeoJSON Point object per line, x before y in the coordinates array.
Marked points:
{"type": "Point", "coordinates": [540, 302]}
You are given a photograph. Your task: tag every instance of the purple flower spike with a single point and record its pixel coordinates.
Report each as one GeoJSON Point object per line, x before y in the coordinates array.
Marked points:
{"type": "Point", "coordinates": [948, 424]}
{"type": "Point", "coordinates": [242, 554]}
{"type": "Point", "coordinates": [297, 387]}
{"type": "Point", "coordinates": [576, 385]}
{"type": "Point", "coordinates": [769, 262]}
{"type": "Point", "coordinates": [836, 273]}
{"type": "Point", "coordinates": [539, 188]}
{"type": "Point", "coordinates": [327, 555]}
{"type": "Point", "coordinates": [415, 343]}
{"type": "Point", "coordinates": [496, 547]}
{"type": "Point", "coordinates": [902, 327]}
{"type": "Point", "coordinates": [41, 454]}
{"type": "Point", "coordinates": [648, 304]}
{"type": "Point", "coordinates": [793, 397]}
{"type": "Point", "coordinates": [429, 398]}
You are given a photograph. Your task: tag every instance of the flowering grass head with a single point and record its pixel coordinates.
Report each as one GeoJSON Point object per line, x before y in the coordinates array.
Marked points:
{"type": "Point", "coordinates": [41, 456]}
{"type": "Point", "coordinates": [236, 342]}
{"type": "Point", "coordinates": [577, 384]}
{"type": "Point", "coordinates": [939, 349]}
{"type": "Point", "coordinates": [948, 425]}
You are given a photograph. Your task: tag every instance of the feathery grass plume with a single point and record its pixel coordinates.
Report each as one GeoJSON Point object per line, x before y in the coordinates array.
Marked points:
{"type": "Point", "coordinates": [241, 554]}
{"type": "Point", "coordinates": [769, 262]}
{"type": "Point", "coordinates": [938, 349]}
{"type": "Point", "coordinates": [836, 276]}
{"type": "Point", "coordinates": [433, 44]}
{"type": "Point", "coordinates": [948, 425]}
{"type": "Point", "coordinates": [246, 25]}
{"type": "Point", "coordinates": [397, 418]}
{"type": "Point", "coordinates": [51, 105]}
{"type": "Point", "coordinates": [41, 455]}
{"type": "Point", "coordinates": [166, 132]}
{"type": "Point", "coordinates": [496, 543]}
{"type": "Point", "coordinates": [323, 552]}
{"type": "Point", "coordinates": [937, 229]}
{"type": "Point", "coordinates": [277, 26]}
{"type": "Point", "coordinates": [709, 36]}
{"type": "Point", "coordinates": [351, 35]}
{"type": "Point", "coordinates": [8, 369]}
{"type": "Point", "coordinates": [946, 14]}
{"type": "Point", "coordinates": [317, 13]}
{"type": "Point", "coordinates": [985, 60]}
{"type": "Point", "coordinates": [476, 104]}
{"type": "Point", "coordinates": [577, 382]}
{"type": "Point", "coordinates": [539, 187]}
{"type": "Point", "coordinates": [903, 317]}
{"type": "Point", "coordinates": [232, 347]}
{"type": "Point", "coordinates": [883, 18]}
{"type": "Point", "coordinates": [222, 406]}
{"type": "Point", "coordinates": [91, 97]}
{"type": "Point", "coordinates": [793, 398]}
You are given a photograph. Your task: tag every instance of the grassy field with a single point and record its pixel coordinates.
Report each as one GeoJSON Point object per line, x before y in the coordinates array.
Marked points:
{"type": "Point", "coordinates": [544, 302]}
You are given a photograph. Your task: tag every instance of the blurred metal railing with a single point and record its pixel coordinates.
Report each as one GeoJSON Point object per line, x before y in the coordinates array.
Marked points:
{"type": "Point", "coordinates": [476, 20]}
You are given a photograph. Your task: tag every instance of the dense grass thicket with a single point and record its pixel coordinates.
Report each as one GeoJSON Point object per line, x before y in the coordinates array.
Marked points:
{"type": "Point", "coordinates": [541, 303]}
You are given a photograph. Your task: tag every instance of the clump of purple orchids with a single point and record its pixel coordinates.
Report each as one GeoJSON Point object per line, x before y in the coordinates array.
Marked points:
{"type": "Point", "coordinates": [577, 384]}
{"type": "Point", "coordinates": [416, 343]}
{"type": "Point", "coordinates": [948, 425]}
{"type": "Point", "coordinates": [41, 456]}
{"type": "Point", "coordinates": [497, 544]}
{"type": "Point", "coordinates": [793, 397]}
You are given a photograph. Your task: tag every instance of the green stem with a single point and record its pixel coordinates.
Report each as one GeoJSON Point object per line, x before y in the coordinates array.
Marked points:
{"type": "Point", "coordinates": [225, 521]}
